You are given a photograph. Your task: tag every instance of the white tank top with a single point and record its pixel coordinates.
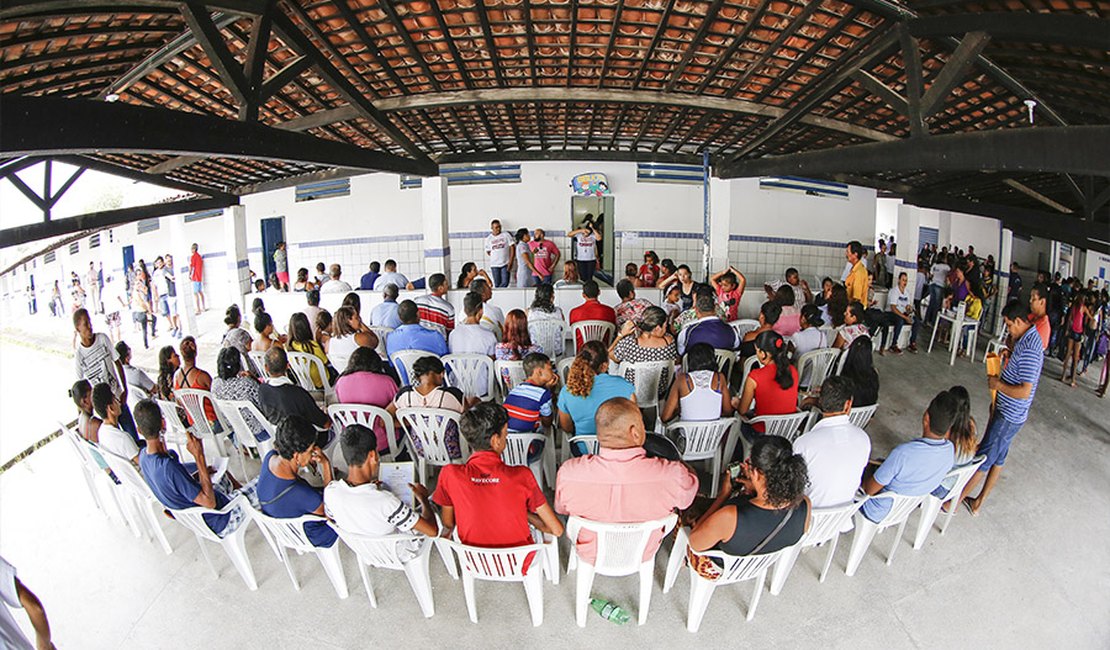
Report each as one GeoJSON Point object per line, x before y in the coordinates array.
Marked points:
{"type": "Point", "coordinates": [586, 250]}
{"type": "Point", "coordinates": [340, 349]}
{"type": "Point", "coordinates": [702, 403]}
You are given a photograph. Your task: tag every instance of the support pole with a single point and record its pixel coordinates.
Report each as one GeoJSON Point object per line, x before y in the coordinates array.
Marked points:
{"type": "Point", "coordinates": [238, 265]}
{"type": "Point", "coordinates": [434, 212]}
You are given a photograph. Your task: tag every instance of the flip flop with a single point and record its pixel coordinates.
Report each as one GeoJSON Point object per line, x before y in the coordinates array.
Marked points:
{"type": "Point", "coordinates": [967, 505]}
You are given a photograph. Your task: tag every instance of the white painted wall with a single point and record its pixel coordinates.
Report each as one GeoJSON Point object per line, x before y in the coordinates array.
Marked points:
{"type": "Point", "coordinates": [886, 219]}
{"type": "Point", "coordinates": [1096, 265]}
{"type": "Point", "coordinates": [1032, 255]}
{"type": "Point", "coordinates": [981, 232]}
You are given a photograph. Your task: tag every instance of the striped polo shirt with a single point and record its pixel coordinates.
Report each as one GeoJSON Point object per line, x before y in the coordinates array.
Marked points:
{"type": "Point", "coordinates": [1024, 366]}
{"type": "Point", "coordinates": [526, 404]}
{"type": "Point", "coordinates": [435, 313]}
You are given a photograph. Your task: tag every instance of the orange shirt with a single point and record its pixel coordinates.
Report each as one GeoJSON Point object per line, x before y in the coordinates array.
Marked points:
{"type": "Point", "coordinates": [857, 283]}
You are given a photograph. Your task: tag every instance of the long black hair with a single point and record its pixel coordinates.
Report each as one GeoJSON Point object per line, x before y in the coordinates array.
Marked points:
{"type": "Point", "coordinates": [771, 343]}
{"type": "Point", "coordinates": [785, 471]}
{"type": "Point", "coordinates": [544, 299]}
{"type": "Point", "coordinates": [466, 268]}
{"type": "Point", "coordinates": [165, 373]}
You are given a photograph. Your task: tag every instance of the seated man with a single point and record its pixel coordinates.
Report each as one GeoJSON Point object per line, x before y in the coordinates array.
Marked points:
{"type": "Point", "coordinates": [360, 504]}
{"type": "Point", "coordinates": [282, 493]}
{"type": "Point", "coordinates": [334, 283]}
{"type": "Point", "coordinates": [493, 318]}
{"type": "Point", "coordinates": [469, 336]}
{"type": "Point", "coordinates": [411, 335]}
{"type": "Point", "coordinates": [708, 328]}
{"type": "Point", "coordinates": [280, 398]}
{"type": "Point", "coordinates": [916, 467]}
{"type": "Point", "coordinates": [385, 314]}
{"type": "Point", "coordinates": [491, 502]}
{"type": "Point", "coordinates": [313, 309]}
{"type": "Point", "coordinates": [135, 377]}
{"type": "Point", "coordinates": [434, 310]}
{"type": "Point", "coordinates": [835, 450]}
{"type": "Point", "coordinates": [366, 282]}
{"type": "Point", "coordinates": [110, 437]}
{"type": "Point", "coordinates": [901, 313]}
{"type": "Point", "coordinates": [391, 276]}
{"type": "Point", "coordinates": [591, 308]}
{"type": "Point", "coordinates": [171, 482]}
{"type": "Point", "coordinates": [621, 484]}
{"type": "Point", "coordinates": [631, 308]}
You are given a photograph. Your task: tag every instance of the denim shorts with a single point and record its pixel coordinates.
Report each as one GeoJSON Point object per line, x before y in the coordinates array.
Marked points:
{"type": "Point", "coordinates": [995, 444]}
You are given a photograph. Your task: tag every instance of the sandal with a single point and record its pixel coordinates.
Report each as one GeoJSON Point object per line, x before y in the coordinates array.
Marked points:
{"type": "Point", "coordinates": [970, 510]}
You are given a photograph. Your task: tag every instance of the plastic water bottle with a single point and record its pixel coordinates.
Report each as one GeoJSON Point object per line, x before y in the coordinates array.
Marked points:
{"type": "Point", "coordinates": [609, 611]}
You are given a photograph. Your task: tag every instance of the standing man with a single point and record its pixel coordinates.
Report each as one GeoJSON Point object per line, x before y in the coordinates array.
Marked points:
{"type": "Point", "coordinates": [545, 257]}
{"type": "Point", "coordinates": [1014, 290]}
{"type": "Point", "coordinates": [281, 265]}
{"type": "Point", "coordinates": [499, 250]}
{"type": "Point", "coordinates": [96, 359]}
{"type": "Point", "coordinates": [1016, 387]}
{"type": "Point", "coordinates": [94, 290]}
{"type": "Point", "coordinates": [170, 292]}
{"type": "Point", "coordinates": [15, 595]}
{"type": "Point", "coordinates": [196, 275]}
{"type": "Point", "coordinates": [857, 283]}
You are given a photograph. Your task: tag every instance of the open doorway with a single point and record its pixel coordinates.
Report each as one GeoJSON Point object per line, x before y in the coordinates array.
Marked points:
{"type": "Point", "coordinates": [599, 211]}
{"type": "Point", "coordinates": [273, 231]}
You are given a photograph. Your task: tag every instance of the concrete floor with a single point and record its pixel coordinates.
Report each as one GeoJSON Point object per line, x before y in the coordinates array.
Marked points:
{"type": "Point", "coordinates": [1031, 571]}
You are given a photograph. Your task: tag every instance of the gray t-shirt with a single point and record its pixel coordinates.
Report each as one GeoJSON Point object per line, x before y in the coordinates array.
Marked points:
{"type": "Point", "coordinates": [97, 363]}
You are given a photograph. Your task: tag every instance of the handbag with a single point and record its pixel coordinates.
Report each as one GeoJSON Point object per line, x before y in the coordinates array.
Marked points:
{"type": "Point", "coordinates": [708, 569]}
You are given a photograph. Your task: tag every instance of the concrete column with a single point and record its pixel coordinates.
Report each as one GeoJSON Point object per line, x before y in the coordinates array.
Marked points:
{"type": "Point", "coordinates": [944, 231]}
{"type": "Point", "coordinates": [433, 210]}
{"type": "Point", "coordinates": [720, 222]}
{"type": "Point", "coordinates": [238, 266]}
{"type": "Point", "coordinates": [907, 233]}
{"type": "Point", "coordinates": [182, 250]}
{"type": "Point", "coordinates": [1054, 259]}
{"type": "Point", "coordinates": [1002, 274]}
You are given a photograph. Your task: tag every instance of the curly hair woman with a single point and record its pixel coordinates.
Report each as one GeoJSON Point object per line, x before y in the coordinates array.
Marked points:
{"type": "Point", "coordinates": [588, 386]}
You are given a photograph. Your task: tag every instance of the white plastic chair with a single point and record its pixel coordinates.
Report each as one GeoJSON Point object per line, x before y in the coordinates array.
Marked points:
{"type": "Point", "coordinates": [516, 452]}
{"type": "Point", "coordinates": [192, 400]}
{"type": "Point", "coordinates": [344, 415]}
{"type": "Point", "coordinates": [743, 326]}
{"type": "Point", "coordinates": [592, 330]}
{"type": "Point", "coordinates": [381, 332]}
{"type": "Point", "coordinates": [510, 374]}
{"type": "Point", "coordinates": [901, 508]}
{"type": "Point", "coordinates": [564, 368]}
{"type": "Point", "coordinates": [620, 552]}
{"type": "Point", "coordinates": [473, 374]}
{"type": "Point", "coordinates": [430, 427]}
{"type": "Point", "coordinates": [176, 427]}
{"type": "Point", "coordinates": [999, 341]}
{"type": "Point", "coordinates": [815, 366]}
{"type": "Point", "coordinates": [234, 413]}
{"type": "Point", "coordinates": [403, 361]}
{"type": "Point", "coordinates": [259, 360]}
{"type": "Point", "coordinates": [930, 508]}
{"type": "Point", "coordinates": [96, 478]}
{"type": "Point", "coordinates": [705, 441]}
{"type": "Point", "coordinates": [861, 415]}
{"type": "Point", "coordinates": [234, 544]}
{"type": "Point", "coordinates": [588, 441]}
{"type": "Point", "coordinates": [302, 363]}
{"type": "Point", "coordinates": [726, 359]}
{"type": "Point", "coordinates": [502, 565]}
{"type": "Point", "coordinates": [788, 426]}
{"type": "Point", "coordinates": [550, 335]}
{"type": "Point", "coordinates": [649, 378]}
{"type": "Point", "coordinates": [736, 569]}
{"type": "Point", "coordinates": [289, 533]}
{"type": "Point", "coordinates": [825, 526]}
{"type": "Point", "coordinates": [146, 506]}
{"type": "Point", "coordinates": [381, 553]}
{"type": "Point", "coordinates": [749, 363]}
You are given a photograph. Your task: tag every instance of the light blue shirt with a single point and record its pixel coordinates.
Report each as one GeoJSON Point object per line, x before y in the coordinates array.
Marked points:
{"type": "Point", "coordinates": [385, 315]}
{"type": "Point", "coordinates": [415, 337]}
{"type": "Point", "coordinates": [583, 409]}
{"type": "Point", "coordinates": [914, 468]}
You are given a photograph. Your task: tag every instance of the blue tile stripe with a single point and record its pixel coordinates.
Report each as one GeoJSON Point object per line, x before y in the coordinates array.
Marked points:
{"type": "Point", "coordinates": [660, 234]}
{"type": "Point", "coordinates": [787, 240]}
{"type": "Point", "coordinates": [437, 252]}
{"type": "Point", "coordinates": [903, 264]}
{"type": "Point", "coordinates": [357, 241]}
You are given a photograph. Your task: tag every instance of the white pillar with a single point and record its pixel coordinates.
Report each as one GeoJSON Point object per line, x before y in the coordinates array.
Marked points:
{"type": "Point", "coordinates": [907, 233]}
{"type": "Point", "coordinates": [1054, 264]}
{"type": "Point", "coordinates": [238, 266]}
{"type": "Point", "coordinates": [433, 210]}
{"type": "Point", "coordinates": [181, 247]}
{"type": "Point", "coordinates": [720, 222]}
{"type": "Point", "coordinates": [944, 232]}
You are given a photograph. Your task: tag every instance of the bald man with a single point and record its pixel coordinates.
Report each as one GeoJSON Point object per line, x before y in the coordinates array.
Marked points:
{"type": "Point", "coordinates": [621, 484]}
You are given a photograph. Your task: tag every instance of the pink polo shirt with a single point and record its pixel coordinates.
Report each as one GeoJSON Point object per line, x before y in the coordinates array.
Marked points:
{"type": "Point", "coordinates": [622, 486]}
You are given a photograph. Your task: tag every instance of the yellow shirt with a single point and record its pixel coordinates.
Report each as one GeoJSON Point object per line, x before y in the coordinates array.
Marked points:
{"type": "Point", "coordinates": [857, 284]}
{"type": "Point", "coordinates": [974, 307]}
{"type": "Point", "coordinates": [314, 349]}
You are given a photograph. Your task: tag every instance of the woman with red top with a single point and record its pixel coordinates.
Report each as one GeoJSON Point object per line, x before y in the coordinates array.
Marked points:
{"type": "Point", "coordinates": [649, 270]}
{"type": "Point", "coordinates": [773, 386]}
{"type": "Point", "coordinates": [1077, 316]}
{"type": "Point", "coordinates": [516, 341]}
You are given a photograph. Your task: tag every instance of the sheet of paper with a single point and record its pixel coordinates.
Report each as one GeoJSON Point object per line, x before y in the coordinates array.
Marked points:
{"type": "Point", "coordinates": [396, 478]}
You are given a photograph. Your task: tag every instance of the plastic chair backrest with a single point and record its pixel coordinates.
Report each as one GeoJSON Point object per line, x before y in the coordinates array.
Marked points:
{"type": "Point", "coordinates": [588, 441]}
{"type": "Point", "coordinates": [648, 377]}
{"type": "Point", "coordinates": [381, 332]}
{"type": "Point", "coordinates": [749, 363]}
{"type": "Point", "coordinates": [743, 326]}
{"type": "Point", "coordinates": [592, 330]}
{"type": "Point", "coordinates": [745, 567]}
{"type": "Point", "coordinates": [787, 425]}
{"type": "Point", "coordinates": [288, 532]}
{"type": "Point", "coordinates": [471, 373]}
{"type": "Point", "coordinates": [377, 551]}
{"type": "Point", "coordinates": [517, 444]}
{"type": "Point", "coordinates": [87, 453]}
{"type": "Point", "coordinates": [841, 361]}
{"type": "Point", "coordinates": [430, 427]}
{"type": "Point", "coordinates": [403, 361]}
{"type": "Point", "coordinates": [901, 507]}
{"type": "Point", "coordinates": [234, 412]}
{"type": "Point", "coordinates": [620, 547]}
{"type": "Point", "coordinates": [726, 359]}
{"type": "Point", "coordinates": [301, 363]}
{"type": "Point", "coordinates": [193, 518]}
{"type": "Point", "coordinates": [128, 475]}
{"type": "Point", "coordinates": [510, 374]}
{"type": "Point", "coordinates": [549, 334]}
{"type": "Point", "coordinates": [963, 475]}
{"type": "Point", "coordinates": [564, 369]}
{"type": "Point", "coordinates": [259, 360]}
{"type": "Point", "coordinates": [826, 523]}
{"type": "Point", "coordinates": [497, 564]}
{"type": "Point", "coordinates": [135, 395]}
{"type": "Point", "coordinates": [703, 439]}
{"type": "Point", "coordinates": [192, 400]}
{"type": "Point", "coordinates": [815, 366]}
{"type": "Point", "coordinates": [343, 415]}
{"type": "Point", "coordinates": [861, 415]}
{"type": "Point", "coordinates": [175, 426]}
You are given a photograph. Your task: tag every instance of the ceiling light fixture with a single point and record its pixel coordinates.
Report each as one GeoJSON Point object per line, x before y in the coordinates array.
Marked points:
{"type": "Point", "coordinates": [1030, 104]}
{"type": "Point", "coordinates": [111, 97]}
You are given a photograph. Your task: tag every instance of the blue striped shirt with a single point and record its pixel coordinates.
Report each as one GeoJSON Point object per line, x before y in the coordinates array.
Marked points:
{"type": "Point", "coordinates": [1024, 366]}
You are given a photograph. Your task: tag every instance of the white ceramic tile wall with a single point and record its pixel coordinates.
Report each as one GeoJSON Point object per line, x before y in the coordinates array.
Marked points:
{"type": "Point", "coordinates": [761, 262]}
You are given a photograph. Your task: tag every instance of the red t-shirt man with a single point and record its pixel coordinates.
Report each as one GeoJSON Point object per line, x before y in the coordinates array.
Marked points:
{"type": "Point", "coordinates": [491, 500]}
{"type": "Point", "coordinates": [592, 309]}
{"type": "Point", "coordinates": [196, 267]}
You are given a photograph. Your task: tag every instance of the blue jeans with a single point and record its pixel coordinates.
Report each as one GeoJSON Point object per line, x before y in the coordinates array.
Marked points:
{"type": "Point", "coordinates": [995, 444]}
{"type": "Point", "coordinates": [936, 296]}
{"type": "Point", "coordinates": [542, 279]}
{"type": "Point", "coordinates": [500, 276]}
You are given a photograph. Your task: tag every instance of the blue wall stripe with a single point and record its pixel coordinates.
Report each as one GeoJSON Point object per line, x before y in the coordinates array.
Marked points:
{"type": "Point", "coordinates": [356, 241]}
{"type": "Point", "coordinates": [787, 240]}
{"type": "Point", "coordinates": [660, 234]}
{"type": "Point", "coordinates": [437, 252]}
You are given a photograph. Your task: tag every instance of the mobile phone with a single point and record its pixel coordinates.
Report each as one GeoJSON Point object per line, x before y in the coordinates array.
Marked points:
{"type": "Point", "coordinates": [734, 470]}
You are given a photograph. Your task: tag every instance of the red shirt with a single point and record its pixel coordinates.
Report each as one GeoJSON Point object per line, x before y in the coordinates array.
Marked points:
{"type": "Point", "coordinates": [770, 398]}
{"type": "Point", "coordinates": [592, 309]}
{"type": "Point", "coordinates": [196, 267]}
{"type": "Point", "coordinates": [649, 274]}
{"type": "Point", "coordinates": [1043, 328]}
{"type": "Point", "coordinates": [491, 500]}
